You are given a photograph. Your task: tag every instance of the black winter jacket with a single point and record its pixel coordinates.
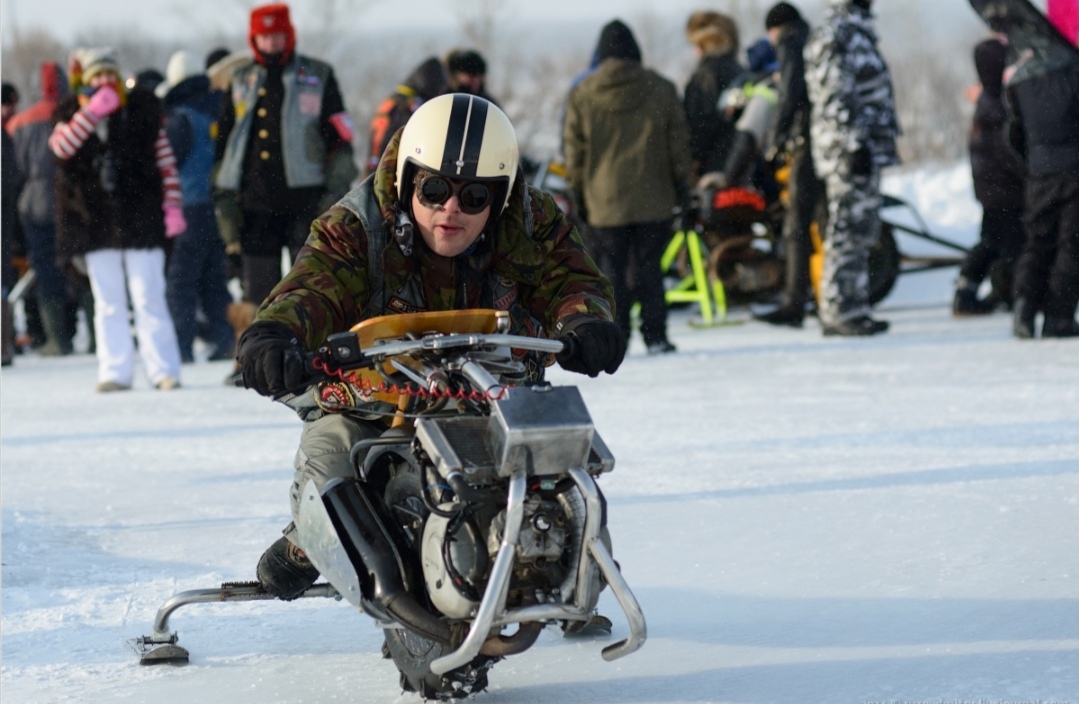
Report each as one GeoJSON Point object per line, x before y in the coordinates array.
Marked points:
{"type": "Point", "coordinates": [10, 231]}
{"type": "Point", "coordinates": [998, 174]}
{"type": "Point", "coordinates": [710, 133]}
{"type": "Point", "coordinates": [109, 195]}
{"type": "Point", "coordinates": [1045, 125]}
{"type": "Point", "coordinates": [792, 113]}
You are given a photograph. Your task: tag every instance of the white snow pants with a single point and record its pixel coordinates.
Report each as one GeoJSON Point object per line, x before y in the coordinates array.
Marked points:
{"type": "Point", "coordinates": [113, 274]}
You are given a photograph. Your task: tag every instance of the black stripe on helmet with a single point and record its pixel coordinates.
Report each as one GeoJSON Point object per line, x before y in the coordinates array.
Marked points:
{"type": "Point", "coordinates": [477, 122]}
{"type": "Point", "coordinates": [464, 136]}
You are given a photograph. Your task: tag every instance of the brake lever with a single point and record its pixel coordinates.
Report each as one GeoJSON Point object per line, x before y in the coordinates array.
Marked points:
{"type": "Point", "coordinates": [342, 349]}
{"type": "Point", "coordinates": [340, 353]}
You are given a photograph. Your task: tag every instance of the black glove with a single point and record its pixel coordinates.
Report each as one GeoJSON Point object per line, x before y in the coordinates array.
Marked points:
{"type": "Point", "coordinates": [591, 345]}
{"type": "Point", "coordinates": [861, 162]}
{"type": "Point", "coordinates": [271, 359]}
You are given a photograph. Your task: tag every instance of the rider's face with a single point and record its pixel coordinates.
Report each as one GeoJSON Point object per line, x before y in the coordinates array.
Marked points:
{"type": "Point", "coordinates": [446, 228]}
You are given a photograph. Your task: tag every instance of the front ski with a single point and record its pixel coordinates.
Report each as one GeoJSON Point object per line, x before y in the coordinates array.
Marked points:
{"type": "Point", "coordinates": [160, 648]}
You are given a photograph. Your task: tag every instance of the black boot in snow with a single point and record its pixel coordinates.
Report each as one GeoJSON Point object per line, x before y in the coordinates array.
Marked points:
{"type": "Point", "coordinates": [862, 326]}
{"type": "Point", "coordinates": [1023, 319]}
{"type": "Point", "coordinates": [1060, 327]}
{"type": "Point", "coordinates": [284, 571]}
{"type": "Point", "coordinates": [791, 316]}
{"type": "Point", "coordinates": [966, 303]}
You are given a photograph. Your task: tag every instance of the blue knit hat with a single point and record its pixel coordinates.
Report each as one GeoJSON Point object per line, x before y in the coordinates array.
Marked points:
{"type": "Point", "coordinates": [762, 56]}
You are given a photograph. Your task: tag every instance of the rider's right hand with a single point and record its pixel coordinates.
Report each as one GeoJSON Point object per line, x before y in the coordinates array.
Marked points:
{"type": "Point", "coordinates": [271, 359]}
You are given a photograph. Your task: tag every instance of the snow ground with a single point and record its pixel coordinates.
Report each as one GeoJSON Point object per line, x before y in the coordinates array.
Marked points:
{"type": "Point", "coordinates": [802, 520]}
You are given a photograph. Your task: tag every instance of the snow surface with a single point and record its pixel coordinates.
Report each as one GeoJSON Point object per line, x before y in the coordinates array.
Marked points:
{"type": "Point", "coordinates": [802, 520]}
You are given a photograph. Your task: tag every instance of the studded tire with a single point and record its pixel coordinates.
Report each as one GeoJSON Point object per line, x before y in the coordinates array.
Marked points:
{"type": "Point", "coordinates": [413, 655]}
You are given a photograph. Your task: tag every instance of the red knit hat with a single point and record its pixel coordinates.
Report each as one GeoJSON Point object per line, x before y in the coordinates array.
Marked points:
{"type": "Point", "coordinates": [269, 19]}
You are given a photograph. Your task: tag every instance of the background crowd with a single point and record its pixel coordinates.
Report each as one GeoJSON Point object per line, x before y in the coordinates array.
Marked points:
{"type": "Point", "coordinates": [135, 196]}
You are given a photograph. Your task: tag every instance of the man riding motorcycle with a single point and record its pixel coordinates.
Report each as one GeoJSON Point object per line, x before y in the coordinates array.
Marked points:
{"type": "Point", "coordinates": [486, 240]}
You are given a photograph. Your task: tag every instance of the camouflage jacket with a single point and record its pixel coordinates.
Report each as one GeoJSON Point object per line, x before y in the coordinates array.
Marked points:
{"type": "Point", "coordinates": [850, 89]}
{"type": "Point", "coordinates": [534, 265]}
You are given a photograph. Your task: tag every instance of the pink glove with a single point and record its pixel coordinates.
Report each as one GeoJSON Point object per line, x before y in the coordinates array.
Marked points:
{"type": "Point", "coordinates": [175, 223]}
{"type": "Point", "coordinates": [103, 102]}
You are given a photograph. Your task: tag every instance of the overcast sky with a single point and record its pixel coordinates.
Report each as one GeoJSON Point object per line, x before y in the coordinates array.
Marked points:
{"type": "Point", "coordinates": [65, 19]}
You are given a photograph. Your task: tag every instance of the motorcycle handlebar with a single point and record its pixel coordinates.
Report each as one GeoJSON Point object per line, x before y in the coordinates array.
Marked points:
{"type": "Point", "coordinates": [344, 352]}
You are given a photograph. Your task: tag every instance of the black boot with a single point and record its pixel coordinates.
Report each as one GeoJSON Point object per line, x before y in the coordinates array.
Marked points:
{"type": "Point", "coordinates": [1060, 327]}
{"type": "Point", "coordinates": [662, 346]}
{"type": "Point", "coordinates": [1023, 319]}
{"type": "Point", "coordinates": [7, 332]}
{"type": "Point", "coordinates": [284, 571]}
{"type": "Point", "coordinates": [784, 315]}
{"type": "Point", "coordinates": [862, 326]}
{"type": "Point", "coordinates": [966, 302]}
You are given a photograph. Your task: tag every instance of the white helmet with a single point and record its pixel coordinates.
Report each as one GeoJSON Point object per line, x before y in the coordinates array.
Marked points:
{"type": "Point", "coordinates": [462, 137]}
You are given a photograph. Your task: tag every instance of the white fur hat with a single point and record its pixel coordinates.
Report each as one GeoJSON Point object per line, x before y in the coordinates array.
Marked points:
{"type": "Point", "coordinates": [182, 65]}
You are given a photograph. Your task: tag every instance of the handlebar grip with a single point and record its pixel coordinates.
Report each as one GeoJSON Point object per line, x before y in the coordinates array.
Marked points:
{"type": "Point", "coordinates": [569, 347]}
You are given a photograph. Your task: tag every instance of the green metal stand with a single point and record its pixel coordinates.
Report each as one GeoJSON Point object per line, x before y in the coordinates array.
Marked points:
{"type": "Point", "coordinates": [695, 287]}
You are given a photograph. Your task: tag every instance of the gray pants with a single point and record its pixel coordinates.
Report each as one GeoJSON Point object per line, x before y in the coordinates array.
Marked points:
{"type": "Point", "coordinates": [853, 230]}
{"type": "Point", "coordinates": [323, 455]}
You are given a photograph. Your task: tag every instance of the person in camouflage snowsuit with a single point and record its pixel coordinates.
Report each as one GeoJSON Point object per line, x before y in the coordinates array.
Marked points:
{"type": "Point", "coordinates": [362, 260]}
{"type": "Point", "coordinates": [853, 128]}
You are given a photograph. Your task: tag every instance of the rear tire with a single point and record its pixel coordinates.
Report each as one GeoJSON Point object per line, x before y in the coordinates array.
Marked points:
{"type": "Point", "coordinates": [413, 655]}
{"type": "Point", "coordinates": [883, 265]}
{"type": "Point", "coordinates": [411, 652]}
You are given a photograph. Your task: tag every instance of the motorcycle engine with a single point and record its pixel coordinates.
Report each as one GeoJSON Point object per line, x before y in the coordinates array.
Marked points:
{"type": "Point", "coordinates": [457, 553]}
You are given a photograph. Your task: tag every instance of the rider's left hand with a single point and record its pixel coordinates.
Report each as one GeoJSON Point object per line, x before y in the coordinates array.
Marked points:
{"type": "Point", "coordinates": [592, 345]}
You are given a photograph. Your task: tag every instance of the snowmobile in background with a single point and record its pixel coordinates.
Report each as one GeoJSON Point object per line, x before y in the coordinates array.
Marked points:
{"type": "Point", "coordinates": [477, 510]}
{"type": "Point", "coordinates": [726, 244]}
{"type": "Point", "coordinates": [741, 229]}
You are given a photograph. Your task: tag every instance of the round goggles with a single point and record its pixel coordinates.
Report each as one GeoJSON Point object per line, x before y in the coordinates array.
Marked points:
{"type": "Point", "coordinates": [434, 190]}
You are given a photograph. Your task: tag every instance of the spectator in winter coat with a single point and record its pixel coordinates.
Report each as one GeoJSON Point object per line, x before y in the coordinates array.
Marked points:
{"type": "Point", "coordinates": [427, 81]}
{"type": "Point", "coordinates": [435, 229]}
{"type": "Point", "coordinates": [750, 105]}
{"type": "Point", "coordinates": [31, 130]}
{"type": "Point", "coordinates": [853, 126]}
{"type": "Point", "coordinates": [467, 73]}
{"type": "Point", "coordinates": [117, 199]}
{"type": "Point", "coordinates": [10, 183]}
{"type": "Point", "coordinates": [285, 145]}
{"type": "Point", "coordinates": [196, 268]}
{"type": "Point", "coordinates": [627, 158]}
{"type": "Point", "coordinates": [714, 37]}
{"type": "Point", "coordinates": [998, 186]}
{"type": "Point", "coordinates": [788, 32]}
{"type": "Point", "coordinates": [1045, 131]}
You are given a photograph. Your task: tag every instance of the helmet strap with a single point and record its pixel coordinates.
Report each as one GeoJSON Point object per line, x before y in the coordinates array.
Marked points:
{"type": "Point", "coordinates": [403, 232]}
